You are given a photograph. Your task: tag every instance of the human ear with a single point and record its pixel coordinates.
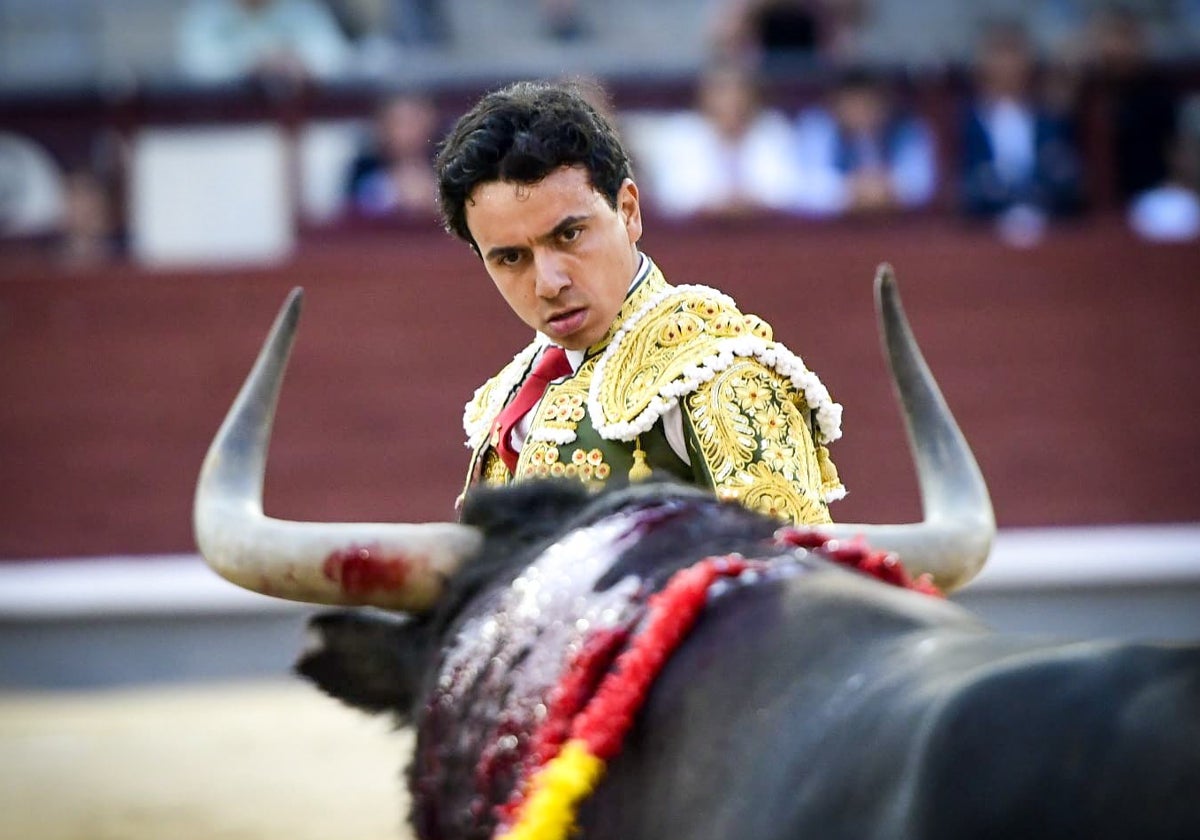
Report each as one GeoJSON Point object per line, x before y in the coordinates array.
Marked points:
{"type": "Point", "coordinates": [630, 209]}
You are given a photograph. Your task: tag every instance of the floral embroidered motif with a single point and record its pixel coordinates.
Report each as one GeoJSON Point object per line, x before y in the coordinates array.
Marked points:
{"type": "Point", "coordinates": [773, 424]}
{"type": "Point", "coordinates": [756, 443]}
{"type": "Point", "coordinates": [772, 494]}
{"type": "Point", "coordinates": [780, 458]}
{"type": "Point", "coordinates": [753, 395]}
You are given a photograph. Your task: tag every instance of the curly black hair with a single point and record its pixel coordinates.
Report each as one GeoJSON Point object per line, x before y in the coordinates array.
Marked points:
{"type": "Point", "coordinates": [522, 133]}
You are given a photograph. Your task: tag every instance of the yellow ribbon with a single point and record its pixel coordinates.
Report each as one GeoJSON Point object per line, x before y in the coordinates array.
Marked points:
{"type": "Point", "coordinates": [549, 811]}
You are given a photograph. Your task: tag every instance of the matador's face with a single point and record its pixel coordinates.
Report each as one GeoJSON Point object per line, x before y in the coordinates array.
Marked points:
{"type": "Point", "coordinates": [561, 256]}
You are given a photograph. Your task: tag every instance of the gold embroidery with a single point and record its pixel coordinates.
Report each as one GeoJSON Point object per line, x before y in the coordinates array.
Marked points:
{"type": "Point", "coordinates": [562, 409]}
{"type": "Point", "coordinates": [536, 458]}
{"type": "Point", "coordinates": [589, 464]}
{"type": "Point", "coordinates": [771, 493]}
{"type": "Point", "coordinates": [726, 436]}
{"type": "Point", "coordinates": [676, 341]}
{"type": "Point", "coordinates": [565, 408]}
{"type": "Point", "coordinates": [759, 328]}
{"type": "Point", "coordinates": [779, 458]}
{"type": "Point", "coordinates": [679, 327]}
{"type": "Point", "coordinates": [756, 444]}
{"type": "Point", "coordinates": [542, 459]}
{"type": "Point", "coordinates": [753, 392]}
{"type": "Point", "coordinates": [668, 341]}
{"type": "Point", "coordinates": [773, 423]}
{"type": "Point", "coordinates": [654, 284]}
{"type": "Point", "coordinates": [495, 472]}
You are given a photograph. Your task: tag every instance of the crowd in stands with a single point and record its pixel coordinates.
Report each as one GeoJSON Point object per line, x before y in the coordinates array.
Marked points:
{"type": "Point", "coordinates": [291, 41]}
{"type": "Point", "coordinates": [1012, 155]}
{"type": "Point", "coordinates": [1011, 152]}
{"type": "Point", "coordinates": [277, 41]}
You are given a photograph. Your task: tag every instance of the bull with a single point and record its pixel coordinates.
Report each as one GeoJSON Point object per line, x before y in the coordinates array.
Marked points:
{"type": "Point", "coordinates": [806, 699]}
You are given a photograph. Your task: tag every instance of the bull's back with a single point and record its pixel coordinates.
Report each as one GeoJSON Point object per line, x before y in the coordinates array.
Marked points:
{"type": "Point", "coordinates": [833, 707]}
{"type": "Point", "coordinates": [1089, 740]}
{"type": "Point", "coordinates": [790, 707]}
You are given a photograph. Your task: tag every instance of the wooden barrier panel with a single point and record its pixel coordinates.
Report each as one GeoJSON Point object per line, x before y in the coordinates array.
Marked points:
{"type": "Point", "coordinates": [1071, 367]}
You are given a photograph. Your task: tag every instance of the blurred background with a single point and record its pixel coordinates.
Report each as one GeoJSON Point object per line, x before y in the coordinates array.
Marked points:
{"type": "Point", "coordinates": [170, 168]}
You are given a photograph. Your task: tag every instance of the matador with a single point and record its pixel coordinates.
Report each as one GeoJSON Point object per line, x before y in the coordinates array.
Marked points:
{"type": "Point", "coordinates": [628, 377]}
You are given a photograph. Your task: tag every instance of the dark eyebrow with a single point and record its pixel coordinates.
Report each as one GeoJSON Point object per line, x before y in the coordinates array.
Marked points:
{"type": "Point", "coordinates": [565, 224]}
{"type": "Point", "coordinates": [500, 251]}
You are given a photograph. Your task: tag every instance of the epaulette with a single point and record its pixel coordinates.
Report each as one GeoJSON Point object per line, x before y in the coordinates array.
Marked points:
{"type": "Point", "coordinates": [675, 342]}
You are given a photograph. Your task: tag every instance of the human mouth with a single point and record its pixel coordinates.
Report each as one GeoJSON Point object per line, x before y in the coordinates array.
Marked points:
{"type": "Point", "coordinates": [566, 323]}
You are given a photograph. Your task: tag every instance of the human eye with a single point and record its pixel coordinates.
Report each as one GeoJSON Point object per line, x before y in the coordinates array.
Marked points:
{"type": "Point", "coordinates": [571, 234]}
{"type": "Point", "coordinates": [508, 259]}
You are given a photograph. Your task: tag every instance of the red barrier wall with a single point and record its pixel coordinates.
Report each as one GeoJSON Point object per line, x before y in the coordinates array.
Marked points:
{"type": "Point", "coordinates": [1072, 368]}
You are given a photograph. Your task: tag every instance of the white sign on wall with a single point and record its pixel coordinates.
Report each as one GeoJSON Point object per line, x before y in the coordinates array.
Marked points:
{"type": "Point", "coordinates": [211, 196]}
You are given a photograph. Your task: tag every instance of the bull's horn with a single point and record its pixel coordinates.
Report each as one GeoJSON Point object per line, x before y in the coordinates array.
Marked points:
{"type": "Point", "coordinates": [399, 567]}
{"type": "Point", "coordinates": [953, 541]}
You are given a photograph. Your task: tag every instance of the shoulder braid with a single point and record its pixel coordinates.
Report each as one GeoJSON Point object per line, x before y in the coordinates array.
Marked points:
{"type": "Point", "coordinates": [678, 340]}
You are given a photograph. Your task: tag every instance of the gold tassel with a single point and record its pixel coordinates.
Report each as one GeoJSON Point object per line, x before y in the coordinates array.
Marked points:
{"type": "Point", "coordinates": [829, 473]}
{"type": "Point", "coordinates": [640, 471]}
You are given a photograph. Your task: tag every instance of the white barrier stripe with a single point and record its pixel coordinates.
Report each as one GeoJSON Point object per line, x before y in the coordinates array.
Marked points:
{"type": "Point", "coordinates": [144, 585]}
{"type": "Point", "coordinates": [1092, 557]}
{"type": "Point", "coordinates": [123, 586]}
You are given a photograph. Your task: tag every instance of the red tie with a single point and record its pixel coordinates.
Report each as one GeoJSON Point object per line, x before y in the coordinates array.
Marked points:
{"type": "Point", "coordinates": [552, 365]}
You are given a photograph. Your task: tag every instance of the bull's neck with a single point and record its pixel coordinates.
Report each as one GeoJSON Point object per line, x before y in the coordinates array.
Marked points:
{"type": "Point", "coordinates": [502, 661]}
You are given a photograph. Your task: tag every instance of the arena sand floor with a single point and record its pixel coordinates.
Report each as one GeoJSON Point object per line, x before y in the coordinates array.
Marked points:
{"type": "Point", "coordinates": [238, 762]}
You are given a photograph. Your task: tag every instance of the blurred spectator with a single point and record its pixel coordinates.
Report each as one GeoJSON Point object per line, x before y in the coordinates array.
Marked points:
{"type": "Point", "coordinates": [862, 153]}
{"type": "Point", "coordinates": [563, 20]}
{"type": "Point", "coordinates": [730, 156]}
{"type": "Point", "coordinates": [1019, 158]}
{"type": "Point", "coordinates": [394, 174]}
{"type": "Point", "coordinates": [274, 41]}
{"type": "Point", "coordinates": [754, 28]}
{"type": "Point", "coordinates": [408, 22]}
{"type": "Point", "coordinates": [72, 210]}
{"type": "Point", "coordinates": [784, 34]}
{"type": "Point", "coordinates": [89, 232]}
{"type": "Point", "coordinates": [31, 188]}
{"type": "Point", "coordinates": [1142, 119]}
{"type": "Point", "coordinates": [1170, 211]}
{"type": "Point", "coordinates": [382, 31]}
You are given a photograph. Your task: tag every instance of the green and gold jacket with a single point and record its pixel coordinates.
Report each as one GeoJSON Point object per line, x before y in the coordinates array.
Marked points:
{"type": "Point", "coordinates": [755, 419]}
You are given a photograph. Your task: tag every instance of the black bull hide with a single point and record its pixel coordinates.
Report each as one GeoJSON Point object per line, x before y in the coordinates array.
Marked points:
{"type": "Point", "coordinates": [812, 702]}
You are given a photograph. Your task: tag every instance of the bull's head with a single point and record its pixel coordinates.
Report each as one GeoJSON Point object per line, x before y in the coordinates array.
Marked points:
{"type": "Point", "coordinates": [404, 567]}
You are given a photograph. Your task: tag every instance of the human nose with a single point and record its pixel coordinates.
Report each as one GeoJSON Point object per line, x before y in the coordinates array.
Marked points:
{"type": "Point", "coordinates": [551, 276]}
